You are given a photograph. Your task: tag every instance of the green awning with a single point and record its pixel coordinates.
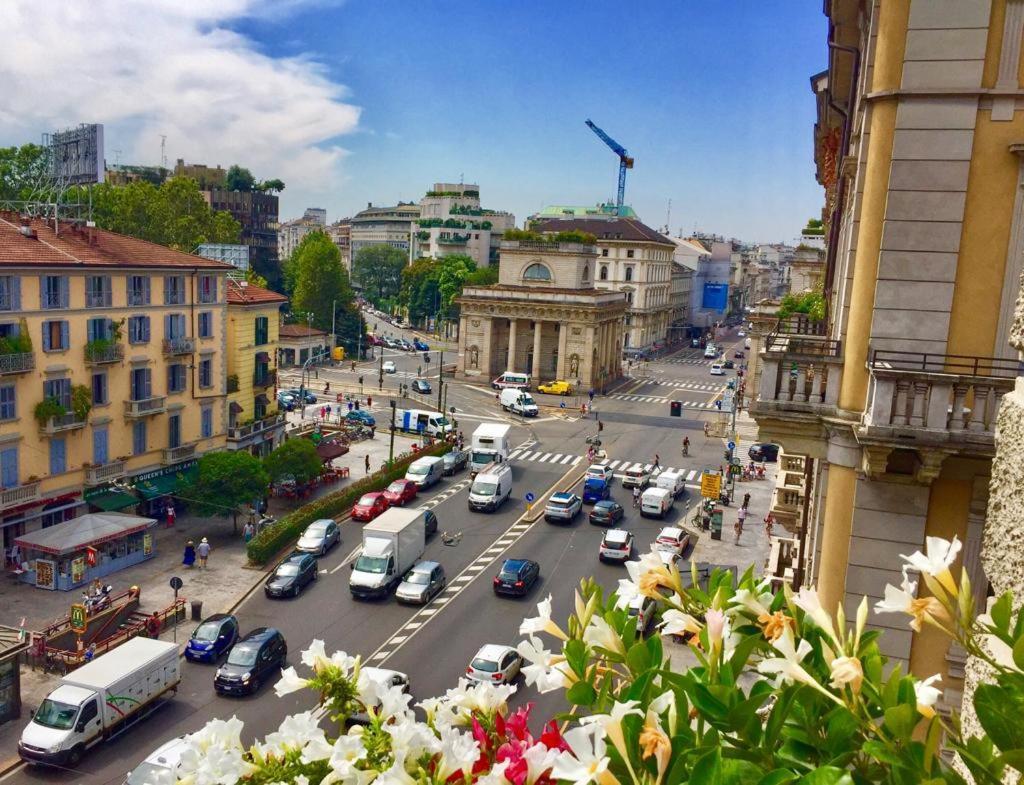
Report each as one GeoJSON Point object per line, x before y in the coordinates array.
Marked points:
{"type": "Point", "coordinates": [113, 500]}
{"type": "Point", "coordinates": [167, 484]}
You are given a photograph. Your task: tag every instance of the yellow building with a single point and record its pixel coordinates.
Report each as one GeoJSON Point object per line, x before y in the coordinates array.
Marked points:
{"type": "Point", "coordinates": [254, 318]}
{"type": "Point", "coordinates": [891, 402]}
{"type": "Point", "coordinates": [111, 369]}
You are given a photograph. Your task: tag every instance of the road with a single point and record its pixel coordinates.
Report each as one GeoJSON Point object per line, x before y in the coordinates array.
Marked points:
{"type": "Point", "coordinates": [434, 645]}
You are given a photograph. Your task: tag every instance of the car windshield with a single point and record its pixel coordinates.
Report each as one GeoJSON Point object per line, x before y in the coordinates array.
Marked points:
{"type": "Point", "coordinates": [287, 570]}
{"type": "Point", "coordinates": [485, 488]}
{"type": "Point", "coordinates": [316, 530]}
{"type": "Point", "coordinates": [54, 714]}
{"type": "Point", "coordinates": [207, 631]}
{"type": "Point", "coordinates": [481, 664]}
{"type": "Point", "coordinates": [417, 470]}
{"type": "Point", "coordinates": [442, 421]}
{"type": "Point", "coordinates": [396, 487]}
{"type": "Point", "coordinates": [145, 773]}
{"type": "Point", "coordinates": [243, 655]}
{"type": "Point", "coordinates": [483, 457]}
{"type": "Point", "coordinates": [367, 500]}
{"type": "Point", "coordinates": [419, 578]}
{"type": "Point", "coordinates": [374, 564]}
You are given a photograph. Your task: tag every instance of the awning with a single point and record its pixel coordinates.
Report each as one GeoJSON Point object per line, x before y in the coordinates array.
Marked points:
{"type": "Point", "coordinates": [235, 408]}
{"type": "Point", "coordinates": [86, 530]}
{"type": "Point", "coordinates": [113, 499]}
{"type": "Point", "coordinates": [328, 451]}
{"type": "Point", "coordinates": [262, 357]}
{"type": "Point", "coordinates": [262, 399]}
{"type": "Point", "coordinates": [167, 484]}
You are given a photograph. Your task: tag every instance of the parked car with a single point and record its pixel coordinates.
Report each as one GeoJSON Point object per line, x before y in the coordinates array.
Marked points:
{"type": "Point", "coordinates": [740, 334]}
{"type": "Point", "coordinates": [729, 364]}
{"type": "Point", "coordinates": [562, 507]}
{"type": "Point", "coordinates": [258, 656]}
{"type": "Point", "coordinates": [384, 678]}
{"type": "Point", "coordinates": [430, 523]}
{"type": "Point", "coordinates": [422, 583]}
{"type": "Point", "coordinates": [516, 577]}
{"type": "Point", "coordinates": [764, 452]}
{"type": "Point", "coordinates": [389, 366]}
{"type": "Point", "coordinates": [672, 539]}
{"type": "Point", "coordinates": [391, 343]}
{"type": "Point", "coordinates": [287, 401]}
{"type": "Point", "coordinates": [421, 386]}
{"type": "Point", "coordinates": [637, 476]}
{"type": "Point", "coordinates": [319, 537]}
{"type": "Point", "coordinates": [405, 346]}
{"type": "Point", "coordinates": [369, 506]}
{"type": "Point", "coordinates": [214, 636]}
{"type": "Point", "coordinates": [306, 396]}
{"type": "Point", "coordinates": [421, 346]}
{"type": "Point", "coordinates": [495, 664]}
{"type": "Point", "coordinates": [291, 576]}
{"type": "Point", "coordinates": [606, 513]}
{"type": "Point", "coordinates": [362, 417]}
{"type": "Point", "coordinates": [454, 461]}
{"type": "Point", "coordinates": [642, 609]}
{"type": "Point", "coordinates": [710, 352]}
{"type": "Point", "coordinates": [400, 492]}
{"type": "Point", "coordinates": [600, 471]}
{"type": "Point", "coordinates": [555, 388]}
{"type": "Point", "coordinates": [616, 545]}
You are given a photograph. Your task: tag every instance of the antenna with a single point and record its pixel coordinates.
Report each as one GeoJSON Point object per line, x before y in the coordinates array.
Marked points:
{"type": "Point", "coordinates": [668, 217]}
{"type": "Point", "coordinates": [163, 150]}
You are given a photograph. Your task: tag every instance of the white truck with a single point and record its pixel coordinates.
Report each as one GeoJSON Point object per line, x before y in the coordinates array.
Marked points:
{"type": "Point", "coordinates": [416, 420]}
{"type": "Point", "coordinates": [99, 700]}
{"type": "Point", "coordinates": [392, 543]}
{"type": "Point", "coordinates": [518, 402]}
{"type": "Point", "coordinates": [489, 445]}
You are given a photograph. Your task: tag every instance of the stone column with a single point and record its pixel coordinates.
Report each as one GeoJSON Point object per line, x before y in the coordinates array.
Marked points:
{"type": "Point", "coordinates": [487, 349]}
{"type": "Point", "coordinates": [513, 325]}
{"type": "Point", "coordinates": [563, 336]}
{"type": "Point", "coordinates": [538, 326]}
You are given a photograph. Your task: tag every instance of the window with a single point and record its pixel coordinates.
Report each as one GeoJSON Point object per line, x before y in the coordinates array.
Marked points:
{"type": "Point", "coordinates": [262, 330]}
{"type": "Point", "coordinates": [10, 293]}
{"type": "Point", "coordinates": [629, 253]}
{"type": "Point", "coordinates": [138, 329]}
{"type": "Point", "coordinates": [207, 288]}
{"type": "Point", "coordinates": [139, 438]}
{"type": "Point", "coordinates": [97, 291]}
{"type": "Point", "coordinates": [206, 373]}
{"type": "Point", "coordinates": [206, 423]}
{"type": "Point", "coordinates": [100, 446]}
{"type": "Point", "coordinates": [58, 456]}
{"type": "Point", "coordinates": [206, 324]}
{"type": "Point", "coordinates": [138, 290]}
{"type": "Point", "coordinates": [629, 273]}
{"type": "Point", "coordinates": [604, 272]}
{"type": "Point", "coordinates": [100, 396]}
{"type": "Point", "coordinates": [174, 326]}
{"type": "Point", "coordinates": [59, 390]}
{"type": "Point", "coordinates": [9, 467]}
{"type": "Point", "coordinates": [174, 431]}
{"type": "Point", "coordinates": [8, 399]}
{"type": "Point", "coordinates": [142, 384]}
{"type": "Point", "coordinates": [174, 290]}
{"type": "Point", "coordinates": [604, 252]}
{"type": "Point", "coordinates": [98, 329]}
{"type": "Point", "coordinates": [259, 408]}
{"type": "Point", "coordinates": [53, 291]}
{"type": "Point", "coordinates": [175, 378]}
{"type": "Point", "coordinates": [586, 273]}
{"type": "Point", "coordinates": [537, 272]}
{"type": "Point", "coordinates": [56, 337]}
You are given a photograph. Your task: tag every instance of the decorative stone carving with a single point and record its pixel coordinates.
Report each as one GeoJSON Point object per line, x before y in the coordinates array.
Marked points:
{"type": "Point", "coordinates": [474, 356]}
{"type": "Point", "coordinates": [931, 465]}
{"type": "Point", "coordinates": [475, 322]}
{"type": "Point", "coordinates": [577, 331]}
{"type": "Point", "coordinates": [874, 459]}
{"type": "Point", "coordinates": [574, 364]}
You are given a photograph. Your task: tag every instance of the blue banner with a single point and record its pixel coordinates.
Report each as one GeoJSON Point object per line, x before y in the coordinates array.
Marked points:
{"type": "Point", "coordinates": [716, 296]}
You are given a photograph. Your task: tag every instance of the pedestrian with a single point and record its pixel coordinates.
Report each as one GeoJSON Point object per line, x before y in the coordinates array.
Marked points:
{"type": "Point", "coordinates": [170, 514]}
{"type": "Point", "coordinates": [746, 501]}
{"type": "Point", "coordinates": [591, 394]}
{"type": "Point", "coordinates": [369, 402]}
{"type": "Point", "coordinates": [356, 403]}
{"type": "Point", "coordinates": [593, 411]}
{"type": "Point", "coordinates": [327, 387]}
{"type": "Point", "coordinates": [600, 426]}
{"type": "Point", "coordinates": [353, 366]}
{"type": "Point", "coordinates": [769, 521]}
{"type": "Point", "coordinates": [350, 405]}
{"type": "Point", "coordinates": [90, 652]}
{"type": "Point", "coordinates": [583, 410]}
{"type": "Point", "coordinates": [153, 625]}
{"type": "Point", "coordinates": [657, 462]}
{"type": "Point", "coordinates": [741, 517]}
{"type": "Point", "coordinates": [189, 557]}
{"type": "Point", "coordinates": [252, 515]}
{"type": "Point", "coordinates": [203, 552]}
{"type": "Point", "coordinates": [367, 464]}
{"type": "Point", "coordinates": [248, 531]}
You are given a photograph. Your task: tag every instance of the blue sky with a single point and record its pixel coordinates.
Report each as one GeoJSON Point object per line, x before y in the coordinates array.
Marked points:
{"type": "Point", "coordinates": [711, 98]}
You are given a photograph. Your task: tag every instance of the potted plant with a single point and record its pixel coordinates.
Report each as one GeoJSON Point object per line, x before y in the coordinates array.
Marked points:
{"type": "Point", "coordinates": [81, 401]}
{"type": "Point", "coordinates": [47, 409]}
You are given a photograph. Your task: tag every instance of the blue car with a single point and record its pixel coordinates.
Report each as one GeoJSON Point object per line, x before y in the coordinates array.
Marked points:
{"type": "Point", "coordinates": [212, 638]}
{"type": "Point", "coordinates": [421, 346]}
{"type": "Point", "coordinates": [596, 490]}
{"type": "Point", "coordinates": [361, 416]}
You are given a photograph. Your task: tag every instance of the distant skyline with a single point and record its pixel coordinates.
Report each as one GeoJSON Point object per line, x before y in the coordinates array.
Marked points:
{"type": "Point", "coordinates": [356, 102]}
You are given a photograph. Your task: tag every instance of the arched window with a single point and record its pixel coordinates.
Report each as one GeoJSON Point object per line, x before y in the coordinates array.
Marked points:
{"type": "Point", "coordinates": [629, 273]}
{"type": "Point", "coordinates": [586, 273]}
{"type": "Point", "coordinates": [537, 272]}
{"type": "Point", "coordinates": [604, 272]}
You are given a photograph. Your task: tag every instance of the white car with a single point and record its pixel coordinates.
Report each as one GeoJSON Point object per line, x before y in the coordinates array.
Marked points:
{"type": "Point", "coordinates": [637, 476]}
{"type": "Point", "coordinates": [495, 664]}
{"type": "Point", "coordinates": [710, 352]}
{"type": "Point", "coordinates": [389, 366]}
{"type": "Point", "coordinates": [740, 334]}
{"type": "Point", "coordinates": [717, 369]}
{"type": "Point", "coordinates": [383, 678]}
{"type": "Point", "coordinates": [672, 539]}
{"type": "Point", "coordinates": [642, 609]}
{"type": "Point", "coordinates": [159, 763]}
{"type": "Point", "coordinates": [599, 471]}
{"type": "Point", "coordinates": [616, 545]}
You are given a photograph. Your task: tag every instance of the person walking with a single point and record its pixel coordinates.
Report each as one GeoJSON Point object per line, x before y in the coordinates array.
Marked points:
{"type": "Point", "coordinates": [189, 557]}
{"type": "Point", "coordinates": [769, 521]}
{"type": "Point", "coordinates": [591, 395]}
{"type": "Point", "coordinates": [170, 514]}
{"type": "Point", "coordinates": [248, 531]}
{"type": "Point", "coordinates": [741, 517]}
{"type": "Point", "coordinates": [746, 501]}
{"type": "Point", "coordinates": [657, 462]}
{"type": "Point", "coordinates": [686, 445]}
{"type": "Point", "coordinates": [203, 552]}
{"type": "Point", "coordinates": [367, 464]}
{"type": "Point", "coordinates": [636, 496]}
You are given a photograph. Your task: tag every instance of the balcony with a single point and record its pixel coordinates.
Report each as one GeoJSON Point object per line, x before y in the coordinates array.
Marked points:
{"type": "Point", "coordinates": [97, 299]}
{"type": "Point", "coordinates": [266, 379]}
{"type": "Point", "coordinates": [233, 383]}
{"type": "Point", "coordinates": [19, 494]}
{"type": "Point", "coordinates": [108, 472]}
{"type": "Point", "coordinates": [243, 432]}
{"type": "Point", "coordinates": [178, 346]}
{"type": "Point", "coordinates": [145, 407]}
{"type": "Point", "coordinates": [103, 352]}
{"type": "Point", "coordinates": [172, 455]}
{"type": "Point", "coordinates": [65, 422]}
{"type": "Point", "coordinates": [21, 362]}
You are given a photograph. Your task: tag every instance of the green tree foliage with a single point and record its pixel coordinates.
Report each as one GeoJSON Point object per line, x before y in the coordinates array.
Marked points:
{"type": "Point", "coordinates": [482, 276]}
{"type": "Point", "coordinates": [227, 480]}
{"type": "Point", "coordinates": [419, 293]}
{"type": "Point", "coordinates": [20, 170]}
{"type": "Point", "coordinates": [295, 459]}
{"type": "Point", "coordinates": [320, 284]}
{"type": "Point", "coordinates": [530, 236]}
{"type": "Point", "coordinates": [810, 303]}
{"type": "Point", "coordinates": [255, 279]}
{"type": "Point", "coordinates": [430, 286]}
{"type": "Point", "coordinates": [239, 178]}
{"type": "Point", "coordinates": [378, 269]}
{"type": "Point", "coordinates": [271, 186]}
{"type": "Point", "coordinates": [454, 270]}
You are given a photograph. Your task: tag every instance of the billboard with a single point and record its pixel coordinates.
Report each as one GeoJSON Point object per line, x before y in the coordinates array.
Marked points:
{"type": "Point", "coordinates": [716, 296]}
{"type": "Point", "coordinates": [76, 155]}
{"type": "Point", "coordinates": [237, 255]}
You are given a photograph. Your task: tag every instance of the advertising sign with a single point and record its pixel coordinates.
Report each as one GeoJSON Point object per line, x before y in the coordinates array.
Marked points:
{"type": "Point", "coordinates": [78, 618]}
{"type": "Point", "coordinates": [78, 569]}
{"type": "Point", "coordinates": [147, 544]}
{"type": "Point", "coordinates": [710, 485]}
{"type": "Point", "coordinates": [77, 155]}
{"type": "Point", "coordinates": [715, 296]}
{"type": "Point", "coordinates": [46, 574]}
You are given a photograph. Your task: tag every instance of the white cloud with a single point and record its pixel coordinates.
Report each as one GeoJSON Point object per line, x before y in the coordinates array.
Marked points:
{"type": "Point", "coordinates": [151, 67]}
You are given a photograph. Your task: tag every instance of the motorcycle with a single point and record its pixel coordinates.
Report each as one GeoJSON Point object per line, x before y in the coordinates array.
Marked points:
{"type": "Point", "coordinates": [94, 603]}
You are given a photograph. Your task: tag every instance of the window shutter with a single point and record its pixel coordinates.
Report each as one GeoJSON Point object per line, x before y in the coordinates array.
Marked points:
{"type": "Point", "coordinates": [46, 336]}
{"type": "Point", "coordinates": [169, 326]}
{"type": "Point", "coordinates": [65, 337]}
{"type": "Point", "coordinates": [90, 330]}
{"type": "Point", "coordinates": [15, 290]}
{"type": "Point", "coordinates": [42, 291]}
{"type": "Point", "coordinates": [147, 383]}
{"type": "Point", "coordinates": [9, 467]}
{"type": "Point", "coordinates": [145, 329]}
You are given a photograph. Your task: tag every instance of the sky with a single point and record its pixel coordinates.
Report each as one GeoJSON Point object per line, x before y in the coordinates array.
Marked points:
{"type": "Point", "coordinates": [358, 101]}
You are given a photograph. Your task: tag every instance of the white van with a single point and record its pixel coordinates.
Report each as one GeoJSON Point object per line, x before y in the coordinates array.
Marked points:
{"type": "Point", "coordinates": [425, 471]}
{"type": "Point", "coordinates": [710, 352]}
{"type": "Point", "coordinates": [746, 344]}
{"type": "Point", "coordinates": [717, 369]}
{"type": "Point", "coordinates": [655, 503]}
{"type": "Point", "coordinates": [673, 482]}
{"type": "Point", "coordinates": [513, 380]}
{"type": "Point", "coordinates": [491, 488]}
{"type": "Point", "coordinates": [518, 401]}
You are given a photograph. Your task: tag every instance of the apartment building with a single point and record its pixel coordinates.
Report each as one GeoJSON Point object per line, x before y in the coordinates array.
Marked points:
{"type": "Point", "coordinates": [291, 233]}
{"type": "Point", "coordinates": [340, 233]}
{"type": "Point", "coordinates": [392, 226]}
{"type": "Point", "coordinates": [890, 402]}
{"type": "Point", "coordinates": [453, 222]}
{"type": "Point", "coordinates": [257, 212]}
{"type": "Point", "coordinates": [112, 368]}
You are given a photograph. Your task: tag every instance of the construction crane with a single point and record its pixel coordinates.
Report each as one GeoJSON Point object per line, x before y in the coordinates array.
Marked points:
{"type": "Point", "coordinates": [625, 161]}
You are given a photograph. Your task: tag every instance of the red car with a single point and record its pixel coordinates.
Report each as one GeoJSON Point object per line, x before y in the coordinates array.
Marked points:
{"type": "Point", "coordinates": [400, 491]}
{"type": "Point", "coordinates": [369, 506]}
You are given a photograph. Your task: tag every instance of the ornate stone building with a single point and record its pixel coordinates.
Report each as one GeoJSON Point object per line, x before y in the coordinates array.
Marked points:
{"type": "Point", "coordinates": [544, 317]}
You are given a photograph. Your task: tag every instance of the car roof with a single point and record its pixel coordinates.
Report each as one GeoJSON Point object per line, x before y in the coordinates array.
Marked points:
{"type": "Point", "coordinates": [639, 469]}
{"type": "Point", "coordinates": [515, 565]}
{"type": "Point", "coordinates": [259, 635]}
{"type": "Point", "coordinates": [670, 531]}
{"type": "Point", "coordinates": [217, 617]}
{"type": "Point", "coordinates": [294, 557]}
{"type": "Point", "coordinates": [320, 523]}
{"type": "Point", "coordinates": [424, 566]}
{"type": "Point", "coordinates": [381, 674]}
{"type": "Point", "coordinates": [492, 651]}
{"type": "Point", "coordinates": [617, 535]}
{"type": "Point", "coordinates": [372, 493]}
{"type": "Point", "coordinates": [606, 503]}
{"type": "Point", "coordinates": [562, 497]}
{"type": "Point", "coordinates": [655, 491]}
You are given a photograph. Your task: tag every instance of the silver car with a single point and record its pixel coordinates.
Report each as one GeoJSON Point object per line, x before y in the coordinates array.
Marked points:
{"type": "Point", "coordinates": [422, 583]}
{"type": "Point", "coordinates": [320, 536]}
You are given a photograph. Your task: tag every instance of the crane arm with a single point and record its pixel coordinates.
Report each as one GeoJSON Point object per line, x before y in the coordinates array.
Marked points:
{"type": "Point", "coordinates": [618, 148]}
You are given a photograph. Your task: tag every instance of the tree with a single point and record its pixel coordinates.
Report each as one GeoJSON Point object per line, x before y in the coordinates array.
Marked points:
{"type": "Point", "coordinates": [378, 269]}
{"type": "Point", "coordinates": [255, 279]}
{"type": "Point", "coordinates": [321, 282]}
{"type": "Point", "coordinates": [295, 459]}
{"type": "Point", "coordinates": [275, 185]}
{"type": "Point", "coordinates": [810, 303]}
{"type": "Point", "coordinates": [226, 481]}
{"type": "Point", "coordinates": [482, 276]}
{"type": "Point", "coordinates": [21, 168]}
{"type": "Point", "coordinates": [419, 293]}
{"type": "Point", "coordinates": [239, 178]}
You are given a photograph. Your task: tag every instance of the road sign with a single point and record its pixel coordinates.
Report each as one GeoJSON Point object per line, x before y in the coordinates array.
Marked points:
{"type": "Point", "coordinates": [710, 485]}
{"type": "Point", "coordinates": [78, 618]}
{"type": "Point", "coordinates": [176, 583]}
{"type": "Point", "coordinates": [529, 498]}
{"type": "Point", "coordinates": [732, 445]}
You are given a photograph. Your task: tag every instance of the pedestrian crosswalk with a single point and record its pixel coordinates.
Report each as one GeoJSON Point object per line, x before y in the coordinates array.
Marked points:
{"type": "Point", "coordinates": [702, 386]}
{"type": "Point", "coordinates": [542, 456]}
{"type": "Point", "coordinates": [618, 466]}
{"type": "Point", "coordinates": [657, 399]}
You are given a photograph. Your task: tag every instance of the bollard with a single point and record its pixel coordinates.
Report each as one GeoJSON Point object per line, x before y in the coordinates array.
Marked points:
{"type": "Point", "coordinates": [197, 610]}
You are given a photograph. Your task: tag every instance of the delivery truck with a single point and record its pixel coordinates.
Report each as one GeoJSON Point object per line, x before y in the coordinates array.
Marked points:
{"type": "Point", "coordinates": [99, 700]}
{"type": "Point", "coordinates": [419, 420]}
{"type": "Point", "coordinates": [489, 445]}
{"type": "Point", "coordinates": [392, 543]}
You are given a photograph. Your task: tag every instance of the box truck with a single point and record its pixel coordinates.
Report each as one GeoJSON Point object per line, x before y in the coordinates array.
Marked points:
{"type": "Point", "coordinates": [416, 420]}
{"type": "Point", "coordinates": [392, 543]}
{"type": "Point", "coordinates": [99, 700]}
{"type": "Point", "coordinates": [488, 445]}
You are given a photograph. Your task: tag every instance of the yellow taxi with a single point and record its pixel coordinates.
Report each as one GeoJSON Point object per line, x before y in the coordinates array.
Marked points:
{"type": "Point", "coordinates": [555, 388]}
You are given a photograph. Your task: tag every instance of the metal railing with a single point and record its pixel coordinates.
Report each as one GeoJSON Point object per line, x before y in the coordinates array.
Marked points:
{"type": "Point", "coordinates": [803, 344]}
{"type": "Point", "coordinates": [955, 364]}
{"type": "Point", "coordinates": [65, 422]}
{"type": "Point", "coordinates": [97, 475]}
{"type": "Point", "coordinates": [800, 324]}
{"type": "Point", "coordinates": [266, 379]}
{"type": "Point", "coordinates": [54, 300]}
{"type": "Point", "coordinates": [138, 297]}
{"type": "Point", "coordinates": [145, 406]}
{"type": "Point", "coordinates": [105, 352]}
{"type": "Point", "coordinates": [17, 363]}
{"type": "Point", "coordinates": [173, 346]}
{"type": "Point", "coordinates": [245, 431]}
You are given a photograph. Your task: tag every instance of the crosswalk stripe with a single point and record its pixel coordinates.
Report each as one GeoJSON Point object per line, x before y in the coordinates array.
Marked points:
{"type": "Point", "coordinates": [566, 459]}
{"type": "Point", "coordinates": [613, 464]}
{"type": "Point", "coordinates": [513, 454]}
{"type": "Point", "coordinates": [577, 459]}
{"type": "Point", "coordinates": [691, 475]}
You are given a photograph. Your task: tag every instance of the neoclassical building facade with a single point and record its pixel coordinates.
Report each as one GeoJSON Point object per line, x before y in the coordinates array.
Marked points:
{"type": "Point", "coordinates": [544, 317]}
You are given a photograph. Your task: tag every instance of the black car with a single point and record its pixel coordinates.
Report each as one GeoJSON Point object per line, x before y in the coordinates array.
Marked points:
{"type": "Point", "coordinates": [430, 523]}
{"type": "Point", "coordinates": [516, 577]}
{"type": "Point", "coordinates": [728, 364]}
{"type": "Point", "coordinates": [738, 354]}
{"type": "Point", "coordinates": [291, 576]}
{"type": "Point", "coordinates": [421, 386]}
{"type": "Point", "coordinates": [606, 513]}
{"type": "Point", "coordinates": [454, 461]}
{"type": "Point", "coordinates": [764, 452]}
{"type": "Point", "coordinates": [258, 656]}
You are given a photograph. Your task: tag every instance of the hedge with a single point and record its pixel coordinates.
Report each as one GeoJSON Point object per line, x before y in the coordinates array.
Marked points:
{"type": "Point", "coordinates": [269, 542]}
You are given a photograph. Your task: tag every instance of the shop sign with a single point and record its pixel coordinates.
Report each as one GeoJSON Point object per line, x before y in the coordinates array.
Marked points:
{"type": "Point", "coordinates": [147, 544]}
{"type": "Point", "coordinates": [167, 471]}
{"type": "Point", "coordinates": [78, 618]}
{"type": "Point", "coordinates": [46, 574]}
{"type": "Point", "coordinates": [710, 485]}
{"type": "Point", "coordinates": [90, 556]}
{"type": "Point", "coordinates": [78, 569]}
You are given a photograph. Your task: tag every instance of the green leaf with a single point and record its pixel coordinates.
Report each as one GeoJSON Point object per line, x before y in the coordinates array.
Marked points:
{"type": "Point", "coordinates": [901, 720]}
{"type": "Point", "coordinates": [1014, 758]}
{"type": "Point", "coordinates": [1000, 711]}
{"type": "Point", "coordinates": [707, 704]}
{"type": "Point", "coordinates": [881, 751]}
{"type": "Point", "coordinates": [1018, 653]}
{"type": "Point", "coordinates": [708, 770]}
{"type": "Point", "coordinates": [778, 777]}
{"type": "Point", "coordinates": [638, 658]}
{"type": "Point", "coordinates": [575, 652]}
{"type": "Point", "coordinates": [827, 775]}
{"type": "Point", "coordinates": [581, 694]}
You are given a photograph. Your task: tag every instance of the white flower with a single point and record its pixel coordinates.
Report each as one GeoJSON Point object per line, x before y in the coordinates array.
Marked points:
{"type": "Point", "coordinates": [611, 723]}
{"type": "Point", "coordinates": [756, 603]}
{"type": "Point", "coordinates": [647, 575]}
{"type": "Point", "coordinates": [289, 682]}
{"type": "Point", "coordinates": [847, 670]}
{"type": "Point", "coordinates": [458, 753]}
{"type": "Point", "coordinates": [787, 667]}
{"type": "Point", "coordinates": [675, 622]}
{"type": "Point", "coordinates": [587, 761]}
{"type": "Point", "coordinates": [541, 672]}
{"type": "Point", "coordinates": [345, 754]}
{"type": "Point", "coordinates": [213, 754]}
{"type": "Point", "coordinates": [296, 732]}
{"type": "Point", "coordinates": [927, 695]}
{"type": "Point", "coordinates": [481, 697]}
{"type": "Point", "coordinates": [411, 738]}
{"type": "Point", "coordinates": [600, 634]}
{"type": "Point", "coordinates": [542, 622]}
{"type": "Point", "coordinates": [902, 600]}
{"type": "Point", "coordinates": [663, 702]}
{"type": "Point", "coordinates": [808, 601]}
{"type": "Point", "coordinates": [440, 712]}
{"type": "Point", "coordinates": [940, 557]}
{"type": "Point", "coordinates": [397, 774]}
{"type": "Point", "coordinates": [539, 759]}
{"type": "Point", "coordinates": [394, 701]}
{"type": "Point", "coordinates": [496, 776]}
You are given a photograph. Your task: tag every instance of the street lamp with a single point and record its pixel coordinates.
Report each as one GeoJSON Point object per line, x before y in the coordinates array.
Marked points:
{"type": "Point", "coordinates": [391, 447]}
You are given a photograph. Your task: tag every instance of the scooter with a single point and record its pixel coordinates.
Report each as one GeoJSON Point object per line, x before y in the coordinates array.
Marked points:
{"type": "Point", "coordinates": [97, 602]}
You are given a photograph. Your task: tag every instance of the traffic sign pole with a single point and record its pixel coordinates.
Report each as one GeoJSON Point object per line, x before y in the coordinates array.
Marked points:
{"type": "Point", "coordinates": [176, 584]}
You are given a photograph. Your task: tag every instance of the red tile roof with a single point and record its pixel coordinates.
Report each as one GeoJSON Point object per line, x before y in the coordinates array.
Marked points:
{"type": "Point", "coordinates": [299, 331]}
{"type": "Point", "coordinates": [81, 247]}
{"type": "Point", "coordinates": [252, 295]}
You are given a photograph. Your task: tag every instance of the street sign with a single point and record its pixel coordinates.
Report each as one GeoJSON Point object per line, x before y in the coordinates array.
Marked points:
{"type": "Point", "coordinates": [176, 583]}
{"type": "Point", "coordinates": [710, 485]}
{"type": "Point", "coordinates": [732, 445]}
{"type": "Point", "coordinates": [529, 498]}
{"type": "Point", "coordinates": [78, 618]}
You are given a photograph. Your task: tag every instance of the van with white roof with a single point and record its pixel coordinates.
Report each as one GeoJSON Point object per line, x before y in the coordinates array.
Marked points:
{"type": "Point", "coordinates": [655, 503]}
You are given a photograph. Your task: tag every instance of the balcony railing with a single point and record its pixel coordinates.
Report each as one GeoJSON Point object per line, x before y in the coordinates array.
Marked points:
{"type": "Point", "coordinates": [253, 428]}
{"type": "Point", "coordinates": [18, 495]}
{"type": "Point", "coordinates": [17, 363]}
{"type": "Point", "coordinates": [266, 379]}
{"type": "Point", "coordinates": [102, 353]}
{"type": "Point", "coordinates": [173, 455]}
{"type": "Point", "coordinates": [799, 324]}
{"type": "Point", "coordinates": [145, 407]}
{"type": "Point", "coordinates": [176, 346]}
{"type": "Point", "coordinates": [800, 373]}
{"type": "Point", "coordinates": [97, 475]}
{"type": "Point", "coordinates": [65, 422]}
{"type": "Point", "coordinates": [97, 299]}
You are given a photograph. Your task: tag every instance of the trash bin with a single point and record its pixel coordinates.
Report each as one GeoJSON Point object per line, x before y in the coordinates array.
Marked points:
{"type": "Point", "coordinates": [676, 408]}
{"type": "Point", "coordinates": [197, 610]}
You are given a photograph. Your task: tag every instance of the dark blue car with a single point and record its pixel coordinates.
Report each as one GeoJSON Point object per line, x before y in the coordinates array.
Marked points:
{"type": "Point", "coordinates": [421, 346]}
{"type": "Point", "coordinates": [361, 416]}
{"type": "Point", "coordinates": [212, 638]}
{"type": "Point", "coordinates": [595, 490]}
